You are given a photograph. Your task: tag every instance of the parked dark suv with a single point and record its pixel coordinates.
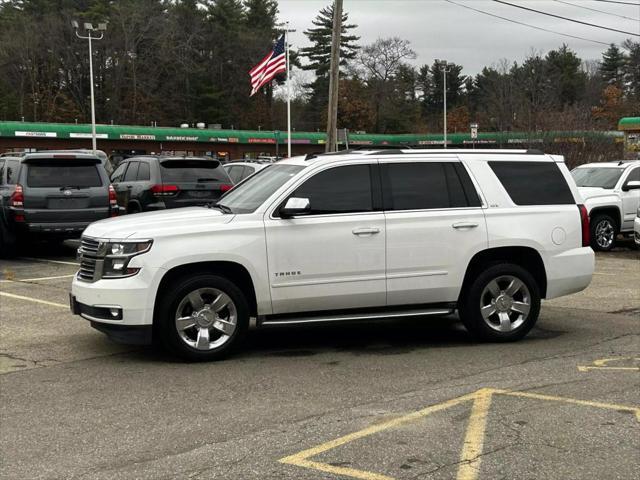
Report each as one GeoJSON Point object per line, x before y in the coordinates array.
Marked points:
{"type": "Point", "coordinates": [52, 195]}
{"type": "Point", "coordinates": [149, 182]}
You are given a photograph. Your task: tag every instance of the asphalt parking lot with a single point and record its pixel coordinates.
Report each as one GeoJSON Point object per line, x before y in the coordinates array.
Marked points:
{"type": "Point", "coordinates": [408, 399]}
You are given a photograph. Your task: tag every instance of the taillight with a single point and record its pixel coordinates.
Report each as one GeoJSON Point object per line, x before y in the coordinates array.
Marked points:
{"type": "Point", "coordinates": [584, 220]}
{"type": "Point", "coordinates": [17, 197]}
{"type": "Point", "coordinates": [113, 202]}
{"type": "Point", "coordinates": [164, 190]}
{"type": "Point", "coordinates": [225, 188]}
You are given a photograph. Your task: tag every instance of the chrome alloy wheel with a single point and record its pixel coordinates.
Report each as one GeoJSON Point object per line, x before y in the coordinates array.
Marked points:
{"type": "Point", "coordinates": [505, 303]}
{"type": "Point", "coordinates": [206, 318]}
{"type": "Point", "coordinates": [605, 233]}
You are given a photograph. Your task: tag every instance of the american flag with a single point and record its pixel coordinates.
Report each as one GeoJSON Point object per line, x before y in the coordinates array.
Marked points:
{"type": "Point", "coordinates": [274, 63]}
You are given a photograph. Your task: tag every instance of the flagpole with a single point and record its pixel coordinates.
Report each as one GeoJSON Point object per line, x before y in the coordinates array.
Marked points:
{"type": "Point", "coordinates": [286, 39]}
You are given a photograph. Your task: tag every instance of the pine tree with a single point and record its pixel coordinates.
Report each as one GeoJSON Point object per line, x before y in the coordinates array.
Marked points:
{"type": "Point", "coordinates": [612, 66]}
{"type": "Point", "coordinates": [261, 14]}
{"type": "Point", "coordinates": [319, 53]}
{"type": "Point", "coordinates": [632, 69]}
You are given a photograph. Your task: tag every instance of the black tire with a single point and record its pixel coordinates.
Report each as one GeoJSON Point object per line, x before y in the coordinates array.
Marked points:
{"type": "Point", "coordinates": [469, 305]}
{"type": "Point", "coordinates": [603, 225]}
{"type": "Point", "coordinates": [172, 298]}
{"type": "Point", "coordinates": [133, 208]}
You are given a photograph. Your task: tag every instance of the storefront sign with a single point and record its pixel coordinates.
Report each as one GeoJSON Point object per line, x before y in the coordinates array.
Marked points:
{"type": "Point", "coordinates": [126, 136]}
{"type": "Point", "coordinates": [88, 135]}
{"type": "Point", "coordinates": [180, 138]}
{"type": "Point", "coordinates": [36, 134]}
{"type": "Point", "coordinates": [262, 140]}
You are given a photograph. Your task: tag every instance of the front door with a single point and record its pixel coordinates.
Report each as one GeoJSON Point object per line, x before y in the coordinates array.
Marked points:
{"type": "Point", "coordinates": [630, 200]}
{"type": "Point", "coordinates": [332, 258]}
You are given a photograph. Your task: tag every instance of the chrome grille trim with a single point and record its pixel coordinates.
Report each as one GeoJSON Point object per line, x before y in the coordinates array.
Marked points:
{"type": "Point", "coordinates": [89, 259]}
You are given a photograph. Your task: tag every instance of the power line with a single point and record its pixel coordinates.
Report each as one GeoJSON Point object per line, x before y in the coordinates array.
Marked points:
{"type": "Point", "coordinates": [599, 11]}
{"type": "Point", "coordinates": [525, 24]}
{"type": "Point", "coordinates": [620, 3]}
{"type": "Point", "coordinates": [566, 18]}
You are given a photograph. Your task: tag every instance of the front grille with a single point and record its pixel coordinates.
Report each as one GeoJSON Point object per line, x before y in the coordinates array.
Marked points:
{"type": "Point", "coordinates": [88, 254]}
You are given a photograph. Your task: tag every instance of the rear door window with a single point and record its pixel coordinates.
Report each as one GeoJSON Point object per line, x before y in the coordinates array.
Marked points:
{"type": "Point", "coordinates": [119, 173]}
{"type": "Point", "coordinates": [1, 172]}
{"type": "Point", "coordinates": [533, 183]}
{"type": "Point", "coordinates": [178, 171]}
{"type": "Point", "coordinates": [144, 173]}
{"type": "Point", "coordinates": [63, 174]}
{"type": "Point", "coordinates": [12, 167]}
{"type": "Point", "coordinates": [427, 185]}
{"type": "Point", "coordinates": [235, 173]}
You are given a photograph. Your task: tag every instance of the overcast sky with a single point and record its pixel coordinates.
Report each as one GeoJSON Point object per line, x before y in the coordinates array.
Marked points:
{"type": "Point", "coordinates": [437, 29]}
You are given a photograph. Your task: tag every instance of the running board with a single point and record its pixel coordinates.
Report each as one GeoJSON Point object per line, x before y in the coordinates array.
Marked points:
{"type": "Point", "coordinates": [347, 317]}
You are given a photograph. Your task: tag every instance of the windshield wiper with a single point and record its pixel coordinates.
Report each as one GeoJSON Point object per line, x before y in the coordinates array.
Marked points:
{"type": "Point", "coordinates": [222, 208]}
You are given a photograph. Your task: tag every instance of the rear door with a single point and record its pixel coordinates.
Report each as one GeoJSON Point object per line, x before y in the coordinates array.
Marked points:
{"type": "Point", "coordinates": [64, 190]}
{"type": "Point", "coordinates": [435, 224]}
{"type": "Point", "coordinates": [187, 182]}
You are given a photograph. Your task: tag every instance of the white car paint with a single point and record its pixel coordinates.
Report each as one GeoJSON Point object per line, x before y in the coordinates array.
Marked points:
{"type": "Point", "coordinates": [321, 262]}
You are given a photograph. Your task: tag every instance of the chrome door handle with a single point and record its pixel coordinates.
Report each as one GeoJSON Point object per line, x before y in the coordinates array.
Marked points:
{"type": "Point", "coordinates": [365, 231]}
{"type": "Point", "coordinates": [464, 225]}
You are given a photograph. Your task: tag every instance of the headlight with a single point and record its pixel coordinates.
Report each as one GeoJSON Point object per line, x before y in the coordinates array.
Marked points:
{"type": "Point", "coordinates": [119, 254]}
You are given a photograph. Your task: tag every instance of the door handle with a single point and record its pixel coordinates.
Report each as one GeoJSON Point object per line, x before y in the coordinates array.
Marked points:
{"type": "Point", "coordinates": [129, 187]}
{"type": "Point", "coordinates": [365, 231]}
{"type": "Point", "coordinates": [464, 225]}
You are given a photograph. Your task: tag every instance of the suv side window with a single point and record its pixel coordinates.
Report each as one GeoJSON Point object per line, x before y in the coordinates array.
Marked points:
{"type": "Point", "coordinates": [235, 173]}
{"type": "Point", "coordinates": [344, 189]}
{"type": "Point", "coordinates": [634, 176]}
{"type": "Point", "coordinates": [426, 185]}
{"type": "Point", "coordinates": [533, 183]}
{"type": "Point", "coordinates": [144, 173]}
{"type": "Point", "coordinates": [132, 172]}
{"type": "Point", "coordinates": [1, 172]}
{"type": "Point", "coordinates": [117, 175]}
{"type": "Point", "coordinates": [12, 167]}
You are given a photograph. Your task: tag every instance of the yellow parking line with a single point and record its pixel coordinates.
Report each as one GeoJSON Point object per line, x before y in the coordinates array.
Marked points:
{"type": "Point", "coordinates": [36, 300]}
{"type": "Point", "coordinates": [474, 438]}
{"type": "Point", "coordinates": [37, 279]}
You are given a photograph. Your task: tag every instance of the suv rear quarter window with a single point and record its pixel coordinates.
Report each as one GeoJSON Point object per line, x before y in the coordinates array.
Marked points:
{"type": "Point", "coordinates": [192, 171]}
{"type": "Point", "coordinates": [533, 183]}
{"type": "Point", "coordinates": [53, 173]}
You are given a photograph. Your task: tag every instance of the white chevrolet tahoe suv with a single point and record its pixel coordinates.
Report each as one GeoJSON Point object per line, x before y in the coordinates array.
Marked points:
{"type": "Point", "coordinates": [611, 193]}
{"type": "Point", "coordinates": [338, 237]}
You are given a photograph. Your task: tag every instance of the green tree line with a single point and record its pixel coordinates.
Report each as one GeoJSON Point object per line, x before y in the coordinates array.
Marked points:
{"type": "Point", "coordinates": [187, 61]}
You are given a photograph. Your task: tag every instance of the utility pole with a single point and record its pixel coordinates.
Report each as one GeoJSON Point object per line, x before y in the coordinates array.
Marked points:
{"type": "Point", "coordinates": [332, 117]}
{"type": "Point", "coordinates": [444, 96]}
{"type": "Point", "coordinates": [89, 28]}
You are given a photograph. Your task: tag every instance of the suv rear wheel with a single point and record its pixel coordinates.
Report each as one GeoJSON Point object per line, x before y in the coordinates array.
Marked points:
{"type": "Point", "coordinates": [501, 304]}
{"type": "Point", "coordinates": [202, 317]}
{"type": "Point", "coordinates": [603, 232]}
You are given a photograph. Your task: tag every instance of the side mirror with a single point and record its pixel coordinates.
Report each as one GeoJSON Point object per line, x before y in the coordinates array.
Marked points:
{"type": "Point", "coordinates": [632, 185]}
{"type": "Point", "coordinates": [295, 206]}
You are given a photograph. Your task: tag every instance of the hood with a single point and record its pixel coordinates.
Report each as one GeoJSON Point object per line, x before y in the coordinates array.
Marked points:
{"type": "Point", "coordinates": [157, 224]}
{"type": "Point", "coordinates": [588, 193]}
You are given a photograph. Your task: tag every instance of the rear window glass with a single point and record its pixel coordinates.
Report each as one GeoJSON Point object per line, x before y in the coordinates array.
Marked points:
{"type": "Point", "coordinates": [533, 183]}
{"type": "Point", "coordinates": [12, 167]}
{"type": "Point", "coordinates": [59, 174]}
{"type": "Point", "coordinates": [192, 171]}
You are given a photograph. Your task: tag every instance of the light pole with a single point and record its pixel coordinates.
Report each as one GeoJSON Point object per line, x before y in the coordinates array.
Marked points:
{"type": "Point", "coordinates": [89, 28]}
{"type": "Point", "coordinates": [444, 96]}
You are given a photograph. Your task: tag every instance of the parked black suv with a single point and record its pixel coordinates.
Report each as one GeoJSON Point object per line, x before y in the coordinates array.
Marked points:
{"type": "Point", "coordinates": [150, 182]}
{"type": "Point", "coordinates": [52, 195]}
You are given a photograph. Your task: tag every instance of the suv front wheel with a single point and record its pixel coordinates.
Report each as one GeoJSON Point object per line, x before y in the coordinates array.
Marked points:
{"type": "Point", "coordinates": [603, 232]}
{"type": "Point", "coordinates": [202, 317]}
{"type": "Point", "coordinates": [501, 304]}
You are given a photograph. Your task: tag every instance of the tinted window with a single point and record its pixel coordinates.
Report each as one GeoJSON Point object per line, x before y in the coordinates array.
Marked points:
{"type": "Point", "coordinates": [132, 172]}
{"type": "Point", "coordinates": [419, 186]}
{"type": "Point", "coordinates": [143, 172]}
{"type": "Point", "coordinates": [117, 175]}
{"type": "Point", "coordinates": [57, 174]}
{"type": "Point", "coordinates": [1, 171]}
{"type": "Point", "coordinates": [533, 183]}
{"type": "Point", "coordinates": [634, 176]}
{"type": "Point", "coordinates": [339, 190]}
{"type": "Point", "coordinates": [192, 171]}
{"type": "Point", "coordinates": [12, 167]}
{"type": "Point", "coordinates": [600, 177]}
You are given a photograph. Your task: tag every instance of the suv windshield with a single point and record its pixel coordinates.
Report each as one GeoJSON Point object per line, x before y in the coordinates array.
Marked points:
{"type": "Point", "coordinates": [192, 171]}
{"type": "Point", "coordinates": [597, 177]}
{"type": "Point", "coordinates": [250, 194]}
{"type": "Point", "coordinates": [63, 174]}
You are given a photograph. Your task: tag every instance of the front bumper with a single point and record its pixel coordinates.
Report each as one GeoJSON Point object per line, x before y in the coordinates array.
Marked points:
{"type": "Point", "coordinates": [131, 298]}
{"type": "Point", "coordinates": [569, 272]}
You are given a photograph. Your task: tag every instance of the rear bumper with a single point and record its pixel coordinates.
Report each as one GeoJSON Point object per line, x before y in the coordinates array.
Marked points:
{"type": "Point", "coordinates": [569, 272]}
{"type": "Point", "coordinates": [73, 229]}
